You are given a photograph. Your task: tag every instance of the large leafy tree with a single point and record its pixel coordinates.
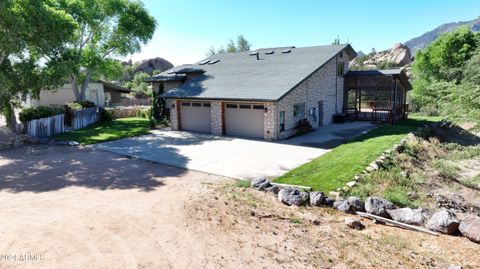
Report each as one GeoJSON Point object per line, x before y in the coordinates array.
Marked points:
{"type": "Point", "coordinates": [33, 35]}
{"type": "Point", "coordinates": [106, 29]}
{"type": "Point", "coordinates": [442, 63]}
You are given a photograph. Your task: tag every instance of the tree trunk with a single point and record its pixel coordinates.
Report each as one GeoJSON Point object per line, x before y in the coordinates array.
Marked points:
{"type": "Point", "coordinates": [73, 83]}
{"type": "Point", "coordinates": [9, 114]}
{"type": "Point", "coordinates": [85, 84]}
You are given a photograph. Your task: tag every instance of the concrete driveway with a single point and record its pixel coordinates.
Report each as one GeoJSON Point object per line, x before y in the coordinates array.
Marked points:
{"type": "Point", "coordinates": [233, 157]}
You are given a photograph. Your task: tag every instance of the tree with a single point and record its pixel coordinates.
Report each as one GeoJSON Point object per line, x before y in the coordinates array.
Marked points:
{"type": "Point", "coordinates": [106, 28]}
{"type": "Point", "coordinates": [33, 35]}
{"type": "Point", "coordinates": [138, 86]}
{"type": "Point", "coordinates": [232, 47]}
{"type": "Point", "coordinates": [441, 64]}
{"type": "Point", "coordinates": [336, 41]}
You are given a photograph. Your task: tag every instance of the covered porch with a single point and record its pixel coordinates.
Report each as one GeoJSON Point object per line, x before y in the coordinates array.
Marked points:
{"type": "Point", "coordinates": [376, 95]}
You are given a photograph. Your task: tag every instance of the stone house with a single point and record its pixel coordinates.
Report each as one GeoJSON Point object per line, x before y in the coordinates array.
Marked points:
{"type": "Point", "coordinates": [257, 94]}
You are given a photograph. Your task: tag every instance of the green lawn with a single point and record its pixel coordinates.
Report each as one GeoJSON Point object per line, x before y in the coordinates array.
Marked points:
{"type": "Point", "coordinates": [335, 168]}
{"type": "Point", "coordinates": [106, 131]}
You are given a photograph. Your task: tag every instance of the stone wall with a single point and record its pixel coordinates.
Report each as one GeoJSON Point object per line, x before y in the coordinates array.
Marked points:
{"type": "Point", "coordinates": [216, 117]}
{"type": "Point", "coordinates": [126, 112]}
{"type": "Point", "coordinates": [172, 104]}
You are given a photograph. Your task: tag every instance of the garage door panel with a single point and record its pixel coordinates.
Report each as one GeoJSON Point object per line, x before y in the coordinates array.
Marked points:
{"type": "Point", "coordinates": [196, 118]}
{"type": "Point", "coordinates": [244, 122]}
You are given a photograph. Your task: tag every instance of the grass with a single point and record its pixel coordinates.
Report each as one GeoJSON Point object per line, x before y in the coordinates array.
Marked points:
{"type": "Point", "coordinates": [333, 169]}
{"type": "Point", "coordinates": [107, 131]}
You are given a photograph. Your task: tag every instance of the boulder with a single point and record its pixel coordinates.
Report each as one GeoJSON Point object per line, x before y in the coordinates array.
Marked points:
{"type": "Point", "coordinates": [443, 221]}
{"type": "Point", "coordinates": [328, 201]}
{"type": "Point", "coordinates": [260, 183]}
{"type": "Point", "coordinates": [157, 63]}
{"type": "Point", "coordinates": [378, 206]}
{"type": "Point", "coordinates": [408, 215]}
{"type": "Point", "coordinates": [354, 223]}
{"type": "Point", "coordinates": [317, 198]}
{"type": "Point", "coordinates": [292, 196]}
{"type": "Point", "coordinates": [470, 228]}
{"type": "Point", "coordinates": [272, 189]}
{"type": "Point", "coordinates": [350, 205]}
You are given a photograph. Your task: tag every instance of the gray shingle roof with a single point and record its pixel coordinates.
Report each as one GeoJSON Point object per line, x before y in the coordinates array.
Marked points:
{"type": "Point", "coordinates": [240, 76]}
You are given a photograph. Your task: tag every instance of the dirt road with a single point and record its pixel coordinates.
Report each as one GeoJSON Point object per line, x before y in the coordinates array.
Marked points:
{"type": "Point", "coordinates": [64, 207]}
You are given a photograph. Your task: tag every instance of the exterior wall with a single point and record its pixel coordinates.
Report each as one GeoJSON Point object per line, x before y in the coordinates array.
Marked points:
{"type": "Point", "coordinates": [324, 85]}
{"type": "Point", "coordinates": [216, 108]}
{"type": "Point", "coordinates": [94, 93]}
{"type": "Point", "coordinates": [270, 121]}
{"type": "Point", "coordinates": [172, 104]}
{"type": "Point", "coordinates": [114, 97]}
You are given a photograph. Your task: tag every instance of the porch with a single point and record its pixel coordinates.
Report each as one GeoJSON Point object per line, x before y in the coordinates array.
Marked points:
{"type": "Point", "coordinates": [376, 95]}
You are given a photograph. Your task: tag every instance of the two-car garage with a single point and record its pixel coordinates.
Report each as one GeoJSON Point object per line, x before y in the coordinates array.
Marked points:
{"type": "Point", "coordinates": [239, 119]}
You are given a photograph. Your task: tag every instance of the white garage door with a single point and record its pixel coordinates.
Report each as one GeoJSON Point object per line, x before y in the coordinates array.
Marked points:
{"type": "Point", "coordinates": [195, 117]}
{"type": "Point", "coordinates": [244, 120]}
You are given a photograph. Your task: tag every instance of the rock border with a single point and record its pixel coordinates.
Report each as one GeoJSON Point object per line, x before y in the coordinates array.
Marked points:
{"type": "Point", "coordinates": [443, 221]}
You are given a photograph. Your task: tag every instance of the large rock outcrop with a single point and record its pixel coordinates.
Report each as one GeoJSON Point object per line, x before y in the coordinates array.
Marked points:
{"type": "Point", "coordinates": [147, 66]}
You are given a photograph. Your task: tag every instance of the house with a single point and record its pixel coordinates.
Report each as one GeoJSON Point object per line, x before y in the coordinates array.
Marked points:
{"type": "Point", "coordinates": [102, 93]}
{"type": "Point", "coordinates": [257, 94]}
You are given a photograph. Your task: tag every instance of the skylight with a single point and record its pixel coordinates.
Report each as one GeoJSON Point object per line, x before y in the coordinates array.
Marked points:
{"type": "Point", "coordinates": [286, 51]}
{"type": "Point", "coordinates": [270, 52]}
{"type": "Point", "coordinates": [204, 62]}
{"type": "Point", "coordinates": [214, 61]}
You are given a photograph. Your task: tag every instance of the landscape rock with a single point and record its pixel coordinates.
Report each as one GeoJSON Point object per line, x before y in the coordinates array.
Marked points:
{"type": "Point", "coordinates": [317, 198]}
{"type": "Point", "coordinates": [260, 183]}
{"type": "Point", "coordinates": [335, 195]}
{"type": "Point", "coordinates": [470, 228]}
{"type": "Point", "coordinates": [354, 223]}
{"type": "Point", "coordinates": [350, 205]}
{"type": "Point", "coordinates": [328, 201]}
{"type": "Point", "coordinates": [351, 184]}
{"type": "Point", "coordinates": [378, 206]}
{"type": "Point", "coordinates": [408, 215]}
{"type": "Point", "coordinates": [292, 196]}
{"type": "Point", "coordinates": [444, 222]}
{"type": "Point", "coordinates": [272, 189]}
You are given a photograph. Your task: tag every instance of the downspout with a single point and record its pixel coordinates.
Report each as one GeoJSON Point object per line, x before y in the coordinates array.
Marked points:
{"type": "Point", "coordinates": [336, 84]}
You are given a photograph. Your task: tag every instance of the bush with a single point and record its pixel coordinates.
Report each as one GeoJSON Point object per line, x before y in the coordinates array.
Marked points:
{"type": "Point", "coordinates": [78, 105]}
{"type": "Point", "coordinates": [106, 115]}
{"type": "Point", "coordinates": [28, 114]}
{"type": "Point", "coordinates": [144, 113]}
{"type": "Point", "coordinates": [302, 127]}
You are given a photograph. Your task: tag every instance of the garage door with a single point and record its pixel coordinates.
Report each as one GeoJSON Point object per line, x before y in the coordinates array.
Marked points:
{"type": "Point", "coordinates": [244, 120]}
{"type": "Point", "coordinates": [195, 117]}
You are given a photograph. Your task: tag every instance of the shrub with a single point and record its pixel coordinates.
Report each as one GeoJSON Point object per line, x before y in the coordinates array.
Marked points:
{"type": "Point", "coordinates": [144, 113]}
{"type": "Point", "coordinates": [302, 127]}
{"type": "Point", "coordinates": [28, 114]}
{"type": "Point", "coordinates": [78, 105]}
{"type": "Point", "coordinates": [106, 115]}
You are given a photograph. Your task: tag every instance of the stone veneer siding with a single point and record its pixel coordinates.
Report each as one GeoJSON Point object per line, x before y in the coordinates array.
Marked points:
{"type": "Point", "coordinates": [318, 87]}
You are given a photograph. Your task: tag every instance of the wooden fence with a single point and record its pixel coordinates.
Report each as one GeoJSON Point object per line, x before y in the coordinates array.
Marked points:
{"type": "Point", "coordinates": [46, 127]}
{"type": "Point", "coordinates": [83, 118]}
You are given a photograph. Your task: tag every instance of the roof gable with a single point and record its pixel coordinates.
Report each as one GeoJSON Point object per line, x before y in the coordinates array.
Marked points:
{"type": "Point", "coordinates": [266, 75]}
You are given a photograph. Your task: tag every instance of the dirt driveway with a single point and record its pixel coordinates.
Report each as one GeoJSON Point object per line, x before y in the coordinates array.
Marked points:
{"type": "Point", "coordinates": [65, 207]}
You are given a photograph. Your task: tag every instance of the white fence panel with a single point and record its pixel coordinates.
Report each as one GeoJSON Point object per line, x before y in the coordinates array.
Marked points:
{"type": "Point", "coordinates": [83, 118]}
{"type": "Point", "coordinates": [46, 127]}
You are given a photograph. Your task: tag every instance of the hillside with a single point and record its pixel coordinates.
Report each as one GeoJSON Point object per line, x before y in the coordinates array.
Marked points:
{"type": "Point", "coordinates": [420, 42]}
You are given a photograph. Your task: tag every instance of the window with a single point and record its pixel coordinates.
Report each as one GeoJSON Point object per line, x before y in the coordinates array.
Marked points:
{"type": "Point", "coordinates": [258, 107]}
{"type": "Point", "coordinates": [340, 68]}
{"type": "Point", "coordinates": [196, 104]}
{"type": "Point", "coordinates": [231, 106]}
{"type": "Point", "coordinates": [206, 104]}
{"type": "Point", "coordinates": [281, 118]}
{"type": "Point", "coordinates": [245, 106]}
{"type": "Point", "coordinates": [185, 104]}
{"type": "Point", "coordinates": [299, 110]}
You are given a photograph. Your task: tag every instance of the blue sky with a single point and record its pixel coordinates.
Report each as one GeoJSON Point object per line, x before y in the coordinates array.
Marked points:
{"type": "Point", "coordinates": [187, 28]}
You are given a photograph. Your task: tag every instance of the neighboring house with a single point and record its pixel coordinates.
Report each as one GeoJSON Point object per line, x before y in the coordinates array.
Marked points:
{"type": "Point", "coordinates": [102, 93]}
{"type": "Point", "coordinates": [259, 94]}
